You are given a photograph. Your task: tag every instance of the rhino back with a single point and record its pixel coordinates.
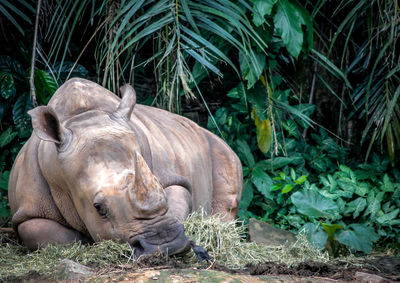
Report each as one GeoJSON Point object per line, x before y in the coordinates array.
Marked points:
{"type": "Point", "coordinates": [179, 147]}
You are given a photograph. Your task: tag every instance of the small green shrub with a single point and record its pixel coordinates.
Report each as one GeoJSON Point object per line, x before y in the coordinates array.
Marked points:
{"type": "Point", "coordinates": [303, 188]}
{"type": "Point", "coordinates": [355, 208]}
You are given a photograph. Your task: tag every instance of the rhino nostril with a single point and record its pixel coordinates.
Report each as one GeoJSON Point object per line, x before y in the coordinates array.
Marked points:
{"type": "Point", "coordinates": [138, 247]}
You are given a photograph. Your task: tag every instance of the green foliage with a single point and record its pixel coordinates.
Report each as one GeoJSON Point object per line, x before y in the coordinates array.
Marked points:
{"type": "Point", "coordinates": [191, 39]}
{"type": "Point", "coordinates": [358, 237]}
{"type": "Point", "coordinates": [314, 205]}
{"type": "Point", "coordinates": [10, 11]}
{"type": "Point", "coordinates": [334, 204]}
{"type": "Point", "coordinates": [286, 183]}
{"type": "Point", "coordinates": [15, 103]}
{"type": "Point", "coordinates": [354, 200]}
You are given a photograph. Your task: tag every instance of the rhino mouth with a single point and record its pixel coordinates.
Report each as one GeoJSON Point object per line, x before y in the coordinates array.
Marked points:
{"type": "Point", "coordinates": [167, 239]}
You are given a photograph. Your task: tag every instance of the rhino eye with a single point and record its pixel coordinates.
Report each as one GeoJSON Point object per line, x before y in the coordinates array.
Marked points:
{"type": "Point", "coordinates": [101, 209]}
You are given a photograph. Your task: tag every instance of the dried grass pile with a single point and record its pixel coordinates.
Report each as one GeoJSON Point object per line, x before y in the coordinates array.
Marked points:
{"type": "Point", "coordinates": [17, 260]}
{"type": "Point", "coordinates": [224, 241]}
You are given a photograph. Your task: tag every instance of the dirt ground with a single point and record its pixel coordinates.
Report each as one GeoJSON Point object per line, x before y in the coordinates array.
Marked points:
{"type": "Point", "coordinates": [379, 268]}
{"type": "Point", "coordinates": [153, 269]}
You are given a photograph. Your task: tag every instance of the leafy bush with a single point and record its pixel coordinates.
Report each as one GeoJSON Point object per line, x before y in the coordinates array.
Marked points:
{"type": "Point", "coordinates": [307, 190]}
{"type": "Point", "coordinates": [358, 207]}
{"type": "Point", "coordinates": [15, 122]}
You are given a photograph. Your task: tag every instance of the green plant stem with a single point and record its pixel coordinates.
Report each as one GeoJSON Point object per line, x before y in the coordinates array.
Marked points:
{"type": "Point", "coordinates": [32, 77]}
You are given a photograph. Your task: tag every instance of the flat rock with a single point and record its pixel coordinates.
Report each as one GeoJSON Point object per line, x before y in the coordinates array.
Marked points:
{"type": "Point", "coordinates": [71, 270]}
{"type": "Point", "coordinates": [369, 278]}
{"type": "Point", "coordinates": [264, 233]}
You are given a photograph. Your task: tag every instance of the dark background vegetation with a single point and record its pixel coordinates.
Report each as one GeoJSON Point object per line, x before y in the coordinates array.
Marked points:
{"type": "Point", "coordinates": [305, 92]}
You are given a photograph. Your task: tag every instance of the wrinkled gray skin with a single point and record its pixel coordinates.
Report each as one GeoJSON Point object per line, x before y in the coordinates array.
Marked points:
{"type": "Point", "coordinates": [97, 167]}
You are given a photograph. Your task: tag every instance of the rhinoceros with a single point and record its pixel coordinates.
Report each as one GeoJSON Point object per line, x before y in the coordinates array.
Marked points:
{"type": "Point", "coordinates": [98, 167]}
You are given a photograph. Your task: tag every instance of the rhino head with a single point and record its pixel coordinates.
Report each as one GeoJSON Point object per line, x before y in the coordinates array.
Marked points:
{"type": "Point", "coordinates": [100, 181]}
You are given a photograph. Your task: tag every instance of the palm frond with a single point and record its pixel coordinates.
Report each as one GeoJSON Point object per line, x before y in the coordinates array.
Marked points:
{"type": "Point", "coordinates": [10, 11]}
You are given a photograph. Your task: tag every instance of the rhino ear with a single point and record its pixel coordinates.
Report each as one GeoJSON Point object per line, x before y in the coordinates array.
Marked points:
{"type": "Point", "coordinates": [128, 101]}
{"type": "Point", "coordinates": [46, 124]}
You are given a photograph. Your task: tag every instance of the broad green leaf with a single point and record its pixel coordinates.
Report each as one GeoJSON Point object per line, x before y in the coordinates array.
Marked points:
{"type": "Point", "coordinates": [301, 179]}
{"type": "Point", "coordinates": [329, 182]}
{"type": "Point", "coordinates": [396, 196]}
{"type": "Point", "coordinates": [262, 181]}
{"type": "Point", "coordinates": [261, 9]}
{"type": "Point", "coordinates": [292, 174]}
{"type": "Point", "coordinates": [20, 117]}
{"type": "Point", "coordinates": [372, 208]}
{"type": "Point", "coordinates": [238, 92]}
{"type": "Point", "coordinates": [7, 88]}
{"type": "Point", "coordinates": [345, 169]}
{"type": "Point", "coordinates": [386, 218]}
{"type": "Point", "coordinates": [276, 187]}
{"type": "Point", "coordinates": [347, 187]}
{"type": "Point", "coordinates": [387, 185]}
{"type": "Point", "coordinates": [313, 204]}
{"type": "Point", "coordinates": [362, 189]}
{"type": "Point", "coordinates": [315, 235]}
{"type": "Point", "coordinates": [358, 237]}
{"type": "Point", "coordinates": [308, 22]}
{"type": "Point", "coordinates": [356, 206]}
{"type": "Point", "coordinates": [11, 66]}
{"type": "Point", "coordinates": [379, 196]}
{"type": "Point", "coordinates": [7, 136]}
{"type": "Point", "coordinates": [291, 127]}
{"type": "Point", "coordinates": [252, 69]}
{"type": "Point", "coordinates": [287, 188]}
{"type": "Point", "coordinates": [47, 81]}
{"type": "Point", "coordinates": [245, 153]}
{"type": "Point", "coordinates": [296, 220]}
{"type": "Point", "coordinates": [327, 194]}
{"type": "Point", "coordinates": [387, 207]}
{"type": "Point", "coordinates": [4, 177]}
{"type": "Point", "coordinates": [288, 21]}
{"type": "Point", "coordinates": [331, 229]}
{"type": "Point", "coordinates": [341, 204]}
{"type": "Point", "coordinates": [247, 195]}
{"type": "Point", "coordinates": [45, 86]}
{"type": "Point", "coordinates": [264, 132]}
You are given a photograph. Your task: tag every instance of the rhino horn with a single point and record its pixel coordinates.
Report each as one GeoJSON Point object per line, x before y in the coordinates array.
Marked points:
{"type": "Point", "coordinates": [127, 103]}
{"type": "Point", "coordinates": [147, 194]}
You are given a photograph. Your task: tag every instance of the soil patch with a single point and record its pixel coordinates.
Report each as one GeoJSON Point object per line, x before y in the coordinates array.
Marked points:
{"type": "Point", "coordinates": [304, 269]}
{"type": "Point", "coordinates": [387, 267]}
{"type": "Point", "coordinates": [156, 268]}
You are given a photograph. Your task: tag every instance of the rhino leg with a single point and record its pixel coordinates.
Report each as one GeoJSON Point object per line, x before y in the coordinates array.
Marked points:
{"type": "Point", "coordinates": [227, 179]}
{"type": "Point", "coordinates": [39, 232]}
{"type": "Point", "coordinates": [179, 202]}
